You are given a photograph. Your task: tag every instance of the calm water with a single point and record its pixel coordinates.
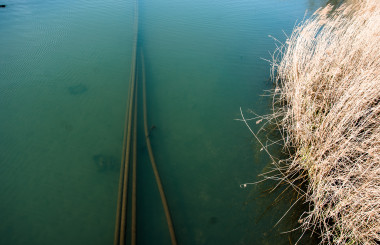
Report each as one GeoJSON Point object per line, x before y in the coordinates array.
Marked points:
{"type": "Point", "coordinates": [64, 72]}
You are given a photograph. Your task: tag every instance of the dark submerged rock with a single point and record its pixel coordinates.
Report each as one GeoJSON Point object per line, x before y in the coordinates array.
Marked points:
{"type": "Point", "coordinates": [2, 5]}
{"type": "Point", "coordinates": [213, 220]}
{"type": "Point", "coordinates": [78, 89]}
{"type": "Point", "coordinates": [105, 163]}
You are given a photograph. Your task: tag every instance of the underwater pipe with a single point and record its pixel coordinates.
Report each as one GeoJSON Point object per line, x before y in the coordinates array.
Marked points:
{"type": "Point", "coordinates": [127, 155]}
{"type": "Point", "coordinates": [119, 235]}
{"type": "Point", "coordinates": [123, 179]}
{"type": "Point", "coordinates": [123, 182]}
{"type": "Point", "coordinates": [121, 213]}
{"type": "Point", "coordinates": [134, 172]}
{"type": "Point", "coordinates": [152, 160]}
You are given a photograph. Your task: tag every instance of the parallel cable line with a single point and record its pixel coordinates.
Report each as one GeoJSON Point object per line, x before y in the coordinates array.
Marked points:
{"type": "Point", "coordinates": [120, 222]}
{"type": "Point", "coordinates": [131, 114]}
{"type": "Point", "coordinates": [134, 174]}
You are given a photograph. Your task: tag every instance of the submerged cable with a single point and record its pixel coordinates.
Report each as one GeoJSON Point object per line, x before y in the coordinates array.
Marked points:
{"type": "Point", "coordinates": [152, 160]}
{"type": "Point", "coordinates": [124, 169]}
{"type": "Point", "coordinates": [134, 173]}
{"type": "Point", "coordinates": [121, 177]}
{"type": "Point", "coordinates": [131, 113]}
{"type": "Point", "coordinates": [120, 222]}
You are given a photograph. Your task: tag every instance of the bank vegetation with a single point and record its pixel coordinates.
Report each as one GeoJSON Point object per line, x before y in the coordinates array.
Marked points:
{"type": "Point", "coordinates": [327, 107]}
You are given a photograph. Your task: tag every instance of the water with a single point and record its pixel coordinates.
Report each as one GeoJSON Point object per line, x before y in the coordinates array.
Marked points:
{"type": "Point", "coordinates": [64, 72]}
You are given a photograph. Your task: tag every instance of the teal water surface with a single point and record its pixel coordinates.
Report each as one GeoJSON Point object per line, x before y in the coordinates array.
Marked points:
{"type": "Point", "coordinates": [64, 74]}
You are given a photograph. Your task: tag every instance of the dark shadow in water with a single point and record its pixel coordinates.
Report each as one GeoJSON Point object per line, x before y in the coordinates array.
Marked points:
{"type": "Point", "coordinates": [213, 220]}
{"type": "Point", "coordinates": [77, 89]}
{"type": "Point", "coordinates": [276, 200]}
{"type": "Point", "coordinates": [314, 4]}
{"type": "Point", "coordinates": [273, 202]}
{"type": "Point", "coordinates": [67, 126]}
{"type": "Point", "coordinates": [105, 163]}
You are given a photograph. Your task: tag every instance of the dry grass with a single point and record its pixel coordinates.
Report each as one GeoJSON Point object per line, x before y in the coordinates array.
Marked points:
{"type": "Point", "coordinates": [327, 104]}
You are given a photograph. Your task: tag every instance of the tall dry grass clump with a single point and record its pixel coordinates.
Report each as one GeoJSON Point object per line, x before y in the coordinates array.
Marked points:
{"type": "Point", "coordinates": [327, 103]}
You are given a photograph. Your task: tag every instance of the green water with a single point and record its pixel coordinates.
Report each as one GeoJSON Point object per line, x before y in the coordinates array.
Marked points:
{"type": "Point", "coordinates": [64, 73]}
